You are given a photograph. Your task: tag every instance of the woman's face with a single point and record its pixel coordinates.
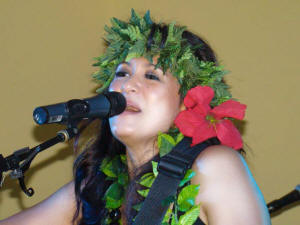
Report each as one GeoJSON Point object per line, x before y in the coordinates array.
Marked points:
{"type": "Point", "coordinates": [153, 100]}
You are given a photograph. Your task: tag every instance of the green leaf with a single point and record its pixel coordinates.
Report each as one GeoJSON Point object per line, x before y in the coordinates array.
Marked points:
{"type": "Point", "coordinates": [115, 191]}
{"type": "Point", "coordinates": [162, 136]}
{"type": "Point", "coordinates": [143, 193]}
{"type": "Point", "coordinates": [137, 50]}
{"type": "Point", "coordinates": [179, 137]}
{"type": "Point", "coordinates": [114, 196]}
{"type": "Point", "coordinates": [167, 216]}
{"type": "Point", "coordinates": [120, 221]}
{"type": "Point", "coordinates": [138, 206]}
{"type": "Point", "coordinates": [107, 168]}
{"type": "Point", "coordinates": [123, 159]}
{"type": "Point", "coordinates": [133, 32]}
{"type": "Point", "coordinates": [104, 163]}
{"type": "Point", "coordinates": [118, 23]}
{"type": "Point", "coordinates": [174, 220]}
{"type": "Point", "coordinates": [147, 18]}
{"type": "Point", "coordinates": [186, 198]}
{"type": "Point", "coordinates": [123, 179]}
{"type": "Point", "coordinates": [190, 216]}
{"type": "Point", "coordinates": [106, 220]}
{"type": "Point", "coordinates": [135, 18]}
{"type": "Point", "coordinates": [147, 180]}
{"type": "Point", "coordinates": [110, 178]}
{"type": "Point", "coordinates": [187, 177]}
{"type": "Point", "coordinates": [170, 37]}
{"type": "Point", "coordinates": [154, 168]}
{"type": "Point", "coordinates": [112, 168]}
{"type": "Point", "coordinates": [112, 203]}
{"type": "Point", "coordinates": [186, 56]}
{"type": "Point", "coordinates": [165, 143]}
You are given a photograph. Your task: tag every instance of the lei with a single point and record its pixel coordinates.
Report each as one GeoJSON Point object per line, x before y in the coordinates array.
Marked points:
{"type": "Point", "coordinates": [209, 108]}
{"type": "Point", "coordinates": [184, 201]}
{"type": "Point", "coordinates": [197, 116]}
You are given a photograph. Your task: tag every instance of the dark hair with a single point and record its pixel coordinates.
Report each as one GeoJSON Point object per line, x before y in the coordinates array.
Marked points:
{"type": "Point", "coordinates": [90, 182]}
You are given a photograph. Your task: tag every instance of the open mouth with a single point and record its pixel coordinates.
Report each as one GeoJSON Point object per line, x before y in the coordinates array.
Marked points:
{"type": "Point", "coordinates": [131, 108]}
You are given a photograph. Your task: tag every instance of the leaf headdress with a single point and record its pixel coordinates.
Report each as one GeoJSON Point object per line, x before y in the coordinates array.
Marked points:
{"type": "Point", "coordinates": [127, 40]}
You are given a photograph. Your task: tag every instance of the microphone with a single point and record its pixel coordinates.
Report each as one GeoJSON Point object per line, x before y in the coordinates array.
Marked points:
{"type": "Point", "coordinates": [100, 106]}
{"type": "Point", "coordinates": [289, 198]}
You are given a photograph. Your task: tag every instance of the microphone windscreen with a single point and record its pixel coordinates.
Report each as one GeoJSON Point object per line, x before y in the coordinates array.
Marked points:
{"type": "Point", "coordinates": [117, 101]}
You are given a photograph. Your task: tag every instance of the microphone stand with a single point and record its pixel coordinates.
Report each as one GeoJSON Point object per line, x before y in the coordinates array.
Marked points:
{"type": "Point", "coordinates": [19, 162]}
{"type": "Point", "coordinates": [286, 201]}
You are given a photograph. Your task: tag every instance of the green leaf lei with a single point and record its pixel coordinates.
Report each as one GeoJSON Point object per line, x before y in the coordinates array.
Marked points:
{"type": "Point", "coordinates": [116, 170]}
{"type": "Point", "coordinates": [127, 40]}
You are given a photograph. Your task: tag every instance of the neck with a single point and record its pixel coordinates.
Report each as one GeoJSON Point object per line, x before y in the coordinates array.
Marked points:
{"type": "Point", "coordinates": [139, 155]}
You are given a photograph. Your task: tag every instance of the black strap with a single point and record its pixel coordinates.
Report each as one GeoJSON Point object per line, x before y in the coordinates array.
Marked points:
{"type": "Point", "coordinates": [172, 168]}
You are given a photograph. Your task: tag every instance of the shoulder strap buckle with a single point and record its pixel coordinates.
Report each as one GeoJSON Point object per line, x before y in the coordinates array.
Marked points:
{"type": "Point", "coordinates": [174, 164]}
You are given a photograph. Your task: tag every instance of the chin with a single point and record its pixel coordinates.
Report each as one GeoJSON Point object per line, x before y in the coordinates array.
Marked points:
{"type": "Point", "coordinates": [135, 131]}
{"type": "Point", "coordinates": [121, 132]}
{"type": "Point", "coordinates": [129, 136]}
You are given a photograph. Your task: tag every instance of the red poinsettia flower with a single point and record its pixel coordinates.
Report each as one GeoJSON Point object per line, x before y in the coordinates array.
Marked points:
{"type": "Point", "coordinates": [201, 122]}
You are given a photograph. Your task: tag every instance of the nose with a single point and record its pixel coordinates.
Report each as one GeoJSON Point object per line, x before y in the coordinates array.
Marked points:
{"type": "Point", "coordinates": [131, 84]}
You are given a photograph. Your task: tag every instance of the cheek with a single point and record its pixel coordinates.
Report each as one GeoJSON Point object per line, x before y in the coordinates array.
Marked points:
{"type": "Point", "coordinates": [115, 86]}
{"type": "Point", "coordinates": [164, 110]}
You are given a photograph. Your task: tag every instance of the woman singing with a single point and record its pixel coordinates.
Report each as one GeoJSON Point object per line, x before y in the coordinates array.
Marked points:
{"type": "Point", "coordinates": [173, 87]}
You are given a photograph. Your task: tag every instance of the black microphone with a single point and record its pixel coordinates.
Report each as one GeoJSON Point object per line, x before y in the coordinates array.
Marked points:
{"type": "Point", "coordinates": [100, 106]}
{"type": "Point", "coordinates": [289, 198]}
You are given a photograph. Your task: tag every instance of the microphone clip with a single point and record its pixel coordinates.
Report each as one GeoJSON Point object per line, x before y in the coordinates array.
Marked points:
{"type": "Point", "coordinates": [20, 161]}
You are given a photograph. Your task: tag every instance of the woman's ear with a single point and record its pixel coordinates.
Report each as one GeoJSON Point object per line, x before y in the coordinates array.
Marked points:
{"type": "Point", "coordinates": [182, 107]}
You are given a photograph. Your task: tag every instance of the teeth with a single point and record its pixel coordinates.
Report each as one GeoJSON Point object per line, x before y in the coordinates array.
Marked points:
{"type": "Point", "coordinates": [131, 108]}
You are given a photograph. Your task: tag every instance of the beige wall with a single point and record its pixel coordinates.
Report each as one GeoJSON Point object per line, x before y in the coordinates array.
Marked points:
{"type": "Point", "coordinates": [46, 52]}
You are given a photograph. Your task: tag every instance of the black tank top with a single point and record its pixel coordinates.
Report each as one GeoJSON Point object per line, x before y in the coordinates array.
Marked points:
{"type": "Point", "coordinates": [199, 222]}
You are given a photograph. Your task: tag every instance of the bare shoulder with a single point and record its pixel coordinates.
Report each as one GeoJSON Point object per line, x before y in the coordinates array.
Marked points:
{"type": "Point", "coordinates": [228, 192]}
{"type": "Point", "coordinates": [221, 162]}
{"type": "Point", "coordinates": [58, 209]}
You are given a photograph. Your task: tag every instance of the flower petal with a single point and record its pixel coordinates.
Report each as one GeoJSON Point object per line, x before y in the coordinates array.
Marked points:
{"type": "Point", "coordinates": [199, 109]}
{"type": "Point", "coordinates": [199, 96]}
{"type": "Point", "coordinates": [229, 135]}
{"type": "Point", "coordinates": [229, 108]}
{"type": "Point", "coordinates": [189, 101]}
{"type": "Point", "coordinates": [187, 121]}
{"type": "Point", "coordinates": [202, 132]}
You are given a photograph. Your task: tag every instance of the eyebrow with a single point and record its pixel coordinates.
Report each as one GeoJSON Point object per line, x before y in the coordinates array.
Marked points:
{"type": "Point", "coordinates": [128, 63]}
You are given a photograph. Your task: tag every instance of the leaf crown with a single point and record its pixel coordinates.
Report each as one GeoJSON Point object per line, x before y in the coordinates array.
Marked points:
{"type": "Point", "coordinates": [127, 40]}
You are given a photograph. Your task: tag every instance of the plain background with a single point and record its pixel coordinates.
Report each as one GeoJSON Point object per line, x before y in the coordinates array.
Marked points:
{"type": "Point", "coordinates": [46, 53]}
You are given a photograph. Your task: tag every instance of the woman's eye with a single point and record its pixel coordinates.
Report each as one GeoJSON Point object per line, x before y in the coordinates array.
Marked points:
{"type": "Point", "coordinates": [151, 76]}
{"type": "Point", "coordinates": [121, 74]}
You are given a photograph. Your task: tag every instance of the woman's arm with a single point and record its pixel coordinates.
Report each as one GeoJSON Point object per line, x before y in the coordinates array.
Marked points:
{"type": "Point", "coordinates": [58, 209]}
{"type": "Point", "coordinates": [228, 192]}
